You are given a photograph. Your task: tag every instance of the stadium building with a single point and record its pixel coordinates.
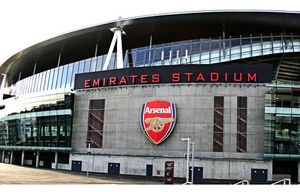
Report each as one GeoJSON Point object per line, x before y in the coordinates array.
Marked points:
{"type": "Point", "coordinates": [131, 95]}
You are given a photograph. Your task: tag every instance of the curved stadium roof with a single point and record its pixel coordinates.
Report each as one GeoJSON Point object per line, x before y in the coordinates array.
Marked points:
{"type": "Point", "coordinates": [164, 28]}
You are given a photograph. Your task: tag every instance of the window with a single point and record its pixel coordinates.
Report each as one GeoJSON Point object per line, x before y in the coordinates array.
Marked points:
{"type": "Point", "coordinates": [242, 124]}
{"type": "Point", "coordinates": [218, 124]}
{"type": "Point", "coordinates": [95, 123]}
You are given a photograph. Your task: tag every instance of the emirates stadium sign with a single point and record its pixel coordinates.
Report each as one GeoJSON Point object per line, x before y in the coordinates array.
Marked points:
{"type": "Point", "coordinates": [225, 73]}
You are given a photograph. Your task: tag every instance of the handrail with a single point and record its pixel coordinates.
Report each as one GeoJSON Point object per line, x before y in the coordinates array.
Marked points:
{"type": "Point", "coordinates": [243, 182]}
{"type": "Point", "coordinates": [288, 181]}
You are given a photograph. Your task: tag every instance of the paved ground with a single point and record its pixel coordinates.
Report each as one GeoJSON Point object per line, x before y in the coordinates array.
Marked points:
{"type": "Point", "coordinates": [15, 174]}
{"type": "Point", "coordinates": [15, 178]}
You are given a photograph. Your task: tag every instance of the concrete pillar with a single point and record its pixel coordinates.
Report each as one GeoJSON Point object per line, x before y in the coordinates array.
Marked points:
{"type": "Point", "coordinates": [22, 158]}
{"type": "Point", "coordinates": [3, 155]}
{"type": "Point", "coordinates": [298, 171]}
{"type": "Point", "coordinates": [116, 38]}
{"type": "Point", "coordinates": [56, 159]}
{"type": "Point", "coordinates": [37, 159]}
{"type": "Point", "coordinates": [11, 157]}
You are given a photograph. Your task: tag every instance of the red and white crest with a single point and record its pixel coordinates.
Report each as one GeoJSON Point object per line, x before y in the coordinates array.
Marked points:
{"type": "Point", "coordinates": [158, 118]}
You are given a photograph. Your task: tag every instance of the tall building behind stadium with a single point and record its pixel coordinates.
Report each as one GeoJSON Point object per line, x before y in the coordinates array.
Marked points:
{"type": "Point", "coordinates": [215, 93]}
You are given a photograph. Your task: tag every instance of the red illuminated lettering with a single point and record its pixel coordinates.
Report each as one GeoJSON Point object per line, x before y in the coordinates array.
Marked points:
{"type": "Point", "coordinates": [144, 78]}
{"type": "Point", "coordinates": [175, 77]}
{"type": "Point", "coordinates": [87, 83]}
{"type": "Point", "coordinates": [214, 76]}
{"type": "Point", "coordinates": [226, 77]}
{"type": "Point", "coordinates": [200, 77]}
{"type": "Point", "coordinates": [155, 78]}
{"type": "Point", "coordinates": [133, 77]}
{"type": "Point", "coordinates": [112, 80]}
{"type": "Point", "coordinates": [188, 76]}
{"type": "Point", "coordinates": [96, 82]}
{"type": "Point", "coordinates": [235, 77]}
{"type": "Point", "coordinates": [252, 77]}
{"type": "Point", "coordinates": [123, 81]}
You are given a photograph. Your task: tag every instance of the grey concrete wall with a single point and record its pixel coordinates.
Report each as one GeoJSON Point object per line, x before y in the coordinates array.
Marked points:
{"type": "Point", "coordinates": [212, 168]}
{"type": "Point", "coordinates": [194, 102]}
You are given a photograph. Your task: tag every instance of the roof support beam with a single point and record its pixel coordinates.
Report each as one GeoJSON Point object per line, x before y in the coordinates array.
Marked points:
{"type": "Point", "coordinates": [278, 66]}
{"type": "Point", "coordinates": [116, 38]}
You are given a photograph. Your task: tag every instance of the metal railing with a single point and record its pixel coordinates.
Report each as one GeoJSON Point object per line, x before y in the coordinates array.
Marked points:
{"type": "Point", "coordinates": [283, 181]}
{"type": "Point", "coordinates": [243, 182]}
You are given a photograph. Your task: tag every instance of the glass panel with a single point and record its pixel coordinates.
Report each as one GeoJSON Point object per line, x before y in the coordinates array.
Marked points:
{"type": "Point", "coordinates": [55, 74]}
{"type": "Point", "coordinates": [113, 61]}
{"type": "Point", "coordinates": [157, 55]}
{"type": "Point", "coordinates": [185, 54]}
{"type": "Point", "coordinates": [26, 86]}
{"type": "Point", "coordinates": [176, 54]}
{"type": "Point", "coordinates": [59, 77]}
{"type": "Point", "coordinates": [43, 76]}
{"type": "Point", "coordinates": [46, 80]}
{"type": "Point", "coordinates": [64, 76]}
{"type": "Point", "coordinates": [29, 86]}
{"type": "Point", "coordinates": [139, 58]}
{"type": "Point", "coordinates": [87, 65]}
{"type": "Point", "coordinates": [81, 67]}
{"type": "Point", "coordinates": [38, 82]}
{"type": "Point", "coordinates": [167, 55]}
{"type": "Point", "coordinates": [215, 45]}
{"type": "Point", "coordinates": [149, 57]}
{"type": "Point", "coordinates": [69, 75]}
{"type": "Point", "coordinates": [75, 71]}
{"type": "Point", "coordinates": [93, 64]}
{"type": "Point", "coordinates": [100, 62]}
{"type": "Point", "coordinates": [50, 79]}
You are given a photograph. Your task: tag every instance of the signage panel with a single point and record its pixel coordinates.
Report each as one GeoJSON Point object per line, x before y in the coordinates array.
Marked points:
{"type": "Point", "coordinates": [169, 172]}
{"type": "Point", "coordinates": [230, 73]}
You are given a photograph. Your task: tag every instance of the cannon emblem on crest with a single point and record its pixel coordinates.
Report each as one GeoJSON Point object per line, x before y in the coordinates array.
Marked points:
{"type": "Point", "coordinates": [157, 124]}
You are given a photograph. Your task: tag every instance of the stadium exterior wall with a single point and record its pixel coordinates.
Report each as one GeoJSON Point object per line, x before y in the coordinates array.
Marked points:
{"type": "Point", "coordinates": [124, 142]}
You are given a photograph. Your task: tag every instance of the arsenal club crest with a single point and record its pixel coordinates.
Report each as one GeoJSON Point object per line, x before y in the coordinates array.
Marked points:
{"type": "Point", "coordinates": [158, 118]}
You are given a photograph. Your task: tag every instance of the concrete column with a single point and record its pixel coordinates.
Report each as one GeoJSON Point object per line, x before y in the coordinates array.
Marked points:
{"type": "Point", "coordinates": [3, 155]}
{"type": "Point", "coordinates": [11, 157]}
{"type": "Point", "coordinates": [116, 38]}
{"type": "Point", "coordinates": [37, 159]}
{"type": "Point", "coordinates": [56, 158]}
{"type": "Point", "coordinates": [119, 50]}
{"type": "Point", "coordinates": [111, 47]}
{"type": "Point", "coordinates": [22, 158]}
{"type": "Point", "coordinates": [298, 171]}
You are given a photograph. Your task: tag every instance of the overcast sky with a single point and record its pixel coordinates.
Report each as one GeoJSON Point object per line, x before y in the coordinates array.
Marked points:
{"type": "Point", "coordinates": [27, 22]}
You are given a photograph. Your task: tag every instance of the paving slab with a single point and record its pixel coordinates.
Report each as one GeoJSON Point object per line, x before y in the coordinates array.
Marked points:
{"type": "Point", "coordinates": [16, 174]}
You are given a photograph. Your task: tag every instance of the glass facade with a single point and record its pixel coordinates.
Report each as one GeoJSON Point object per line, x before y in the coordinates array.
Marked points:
{"type": "Point", "coordinates": [282, 121]}
{"type": "Point", "coordinates": [41, 121]}
{"type": "Point", "coordinates": [195, 51]}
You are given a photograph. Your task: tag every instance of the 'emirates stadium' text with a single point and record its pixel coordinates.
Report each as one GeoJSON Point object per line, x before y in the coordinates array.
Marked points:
{"type": "Point", "coordinates": [175, 78]}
